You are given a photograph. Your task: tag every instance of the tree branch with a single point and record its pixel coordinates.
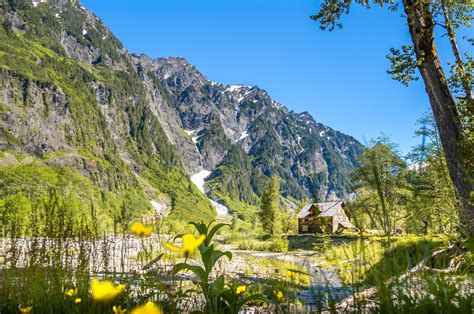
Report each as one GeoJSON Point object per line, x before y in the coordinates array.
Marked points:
{"type": "Point", "coordinates": [454, 46]}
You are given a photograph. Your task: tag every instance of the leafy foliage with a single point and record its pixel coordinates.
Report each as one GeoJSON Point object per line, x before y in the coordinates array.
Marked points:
{"type": "Point", "coordinates": [403, 64]}
{"type": "Point", "coordinates": [218, 296]}
{"type": "Point", "coordinates": [433, 203]}
{"type": "Point", "coordinates": [39, 200]}
{"type": "Point", "coordinates": [381, 181]}
{"type": "Point", "coordinates": [451, 98]}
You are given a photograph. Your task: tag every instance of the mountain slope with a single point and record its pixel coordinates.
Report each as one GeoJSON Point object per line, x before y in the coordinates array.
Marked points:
{"type": "Point", "coordinates": [73, 99]}
{"type": "Point", "coordinates": [136, 128]}
{"type": "Point", "coordinates": [310, 158]}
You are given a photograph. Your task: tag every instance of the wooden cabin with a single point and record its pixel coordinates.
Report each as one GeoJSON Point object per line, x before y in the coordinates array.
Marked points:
{"type": "Point", "coordinates": [320, 217]}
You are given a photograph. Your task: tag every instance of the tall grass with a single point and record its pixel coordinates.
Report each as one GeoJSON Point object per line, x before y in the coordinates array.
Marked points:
{"type": "Point", "coordinates": [38, 271]}
{"type": "Point", "coordinates": [383, 263]}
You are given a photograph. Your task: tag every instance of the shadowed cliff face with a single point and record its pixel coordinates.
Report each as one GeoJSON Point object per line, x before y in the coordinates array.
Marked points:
{"type": "Point", "coordinates": [69, 86]}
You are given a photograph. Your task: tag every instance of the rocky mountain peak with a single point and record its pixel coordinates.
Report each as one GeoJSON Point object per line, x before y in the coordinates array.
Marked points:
{"type": "Point", "coordinates": [218, 117]}
{"type": "Point", "coordinates": [306, 117]}
{"type": "Point", "coordinates": [163, 112]}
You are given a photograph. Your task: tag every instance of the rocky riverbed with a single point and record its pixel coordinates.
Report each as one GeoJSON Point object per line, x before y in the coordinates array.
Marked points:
{"type": "Point", "coordinates": [324, 285]}
{"type": "Point", "coordinates": [124, 254]}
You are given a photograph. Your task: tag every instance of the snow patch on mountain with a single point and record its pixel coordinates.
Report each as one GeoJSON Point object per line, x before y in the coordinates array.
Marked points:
{"type": "Point", "coordinates": [220, 209]}
{"type": "Point", "coordinates": [277, 105]}
{"type": "Point", "coordinates": [190, 132]}
{"type": "Point", "coordinates": [36, 2]}
{"type": "Point", "coordinates": [199, 179]}
{"type": "Point", "coordinates": [244, 135]}
{"type": "Point", "coordinates": [234, 88]}
{"type": "Point", "coordinates": [194, 138]}
{"type": "Point", "coordinates": [160, 209]}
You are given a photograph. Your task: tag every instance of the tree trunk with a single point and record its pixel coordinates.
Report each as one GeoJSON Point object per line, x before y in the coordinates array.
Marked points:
{"type": "Point", "coordinates": [448, 120]}
{"type": "Point", "coordinates": [425, 226]}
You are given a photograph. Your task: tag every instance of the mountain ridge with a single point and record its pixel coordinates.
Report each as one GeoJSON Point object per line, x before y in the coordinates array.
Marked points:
{"type": "Point", "coordinates": [154, 121]}
{"type": "Point", "coordinates": [237, 108]}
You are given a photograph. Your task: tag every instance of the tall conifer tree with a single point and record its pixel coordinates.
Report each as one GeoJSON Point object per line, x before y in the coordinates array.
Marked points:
{"type": "Point", "coordinates": [269, 205]}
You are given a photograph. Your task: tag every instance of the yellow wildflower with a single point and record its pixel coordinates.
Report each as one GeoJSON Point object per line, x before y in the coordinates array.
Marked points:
{"type": "Point", "coordinates": [147, 308]}
{"type": "Point", "coordinates": [241, 289]}
{"type": "Point", "coordinates": [26, 309]}
{"type": "Point", "coordinates": [291, 274]}
{"type": "Point", "coordinates": [279, 295]}
{"type": "Point", "coordinates": [77, 300]}
{"type": "Point", "coordinates": [71, 292]}
{"type": "Point", "coordinates": [140, 230]}
{"type": "Point", "coordinates": [104, 291]}
{"type": "Point", "coordinates": [189, 244]}
{"type": "Point", "coordinates": [118, 310]}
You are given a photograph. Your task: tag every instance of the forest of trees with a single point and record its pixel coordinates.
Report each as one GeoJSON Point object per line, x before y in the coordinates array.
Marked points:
{"type": "Point", "coordinates": [411, 194]}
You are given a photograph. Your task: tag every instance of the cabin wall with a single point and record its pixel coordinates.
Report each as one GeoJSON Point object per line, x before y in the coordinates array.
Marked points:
{"type": "Point", "coordinates": [314, 225]}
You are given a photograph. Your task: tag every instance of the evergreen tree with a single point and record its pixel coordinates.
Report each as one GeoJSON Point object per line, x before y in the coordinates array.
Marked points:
{"type": "Point", "coordinates": [269, 206]}
{"type": "Point", "coordinates": [315, 196]}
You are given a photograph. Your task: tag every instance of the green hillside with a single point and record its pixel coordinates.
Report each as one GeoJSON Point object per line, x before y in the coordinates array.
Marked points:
{"type": "Point", "coordinates": [144, 166]}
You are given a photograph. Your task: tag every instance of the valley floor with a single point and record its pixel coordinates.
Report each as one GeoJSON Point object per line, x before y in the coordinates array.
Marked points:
{"type": "Point", "coordinates": [315, 275]}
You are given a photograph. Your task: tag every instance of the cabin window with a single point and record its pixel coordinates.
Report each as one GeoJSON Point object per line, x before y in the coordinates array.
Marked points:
{"type": "Point", "coordinates": [304, 228]}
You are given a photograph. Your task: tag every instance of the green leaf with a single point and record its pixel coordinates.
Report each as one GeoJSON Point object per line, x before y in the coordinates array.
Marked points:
{"type": "Point", "coordinates": [252, 297]}
{"type": "Point", "coordinates": [207, 253]}
{"type": "Point", "coordinates": [218, 285]}
{"type": "Point", "coordinates": [218, 254]}
{"type": "Point", "coordinates": [200, 227]}
{"type": "Point", "coordinates": [213, 231]}
{"type": "Point", "coordinates": [197, 270]}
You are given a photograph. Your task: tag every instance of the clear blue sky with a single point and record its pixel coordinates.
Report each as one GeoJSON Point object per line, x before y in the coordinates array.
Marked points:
{"type": "Point", "coordinates": [339, 77]}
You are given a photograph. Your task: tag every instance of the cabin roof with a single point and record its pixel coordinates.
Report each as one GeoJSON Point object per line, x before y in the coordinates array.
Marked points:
{"type": "Point", "coordinates": [347, 224]}
{"type": "Point", "coordinates": [330, 209]}
{"type": "Point", "coordinates": [327, 209]}
{"type": "Point", "coordinates": [304, 211]}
